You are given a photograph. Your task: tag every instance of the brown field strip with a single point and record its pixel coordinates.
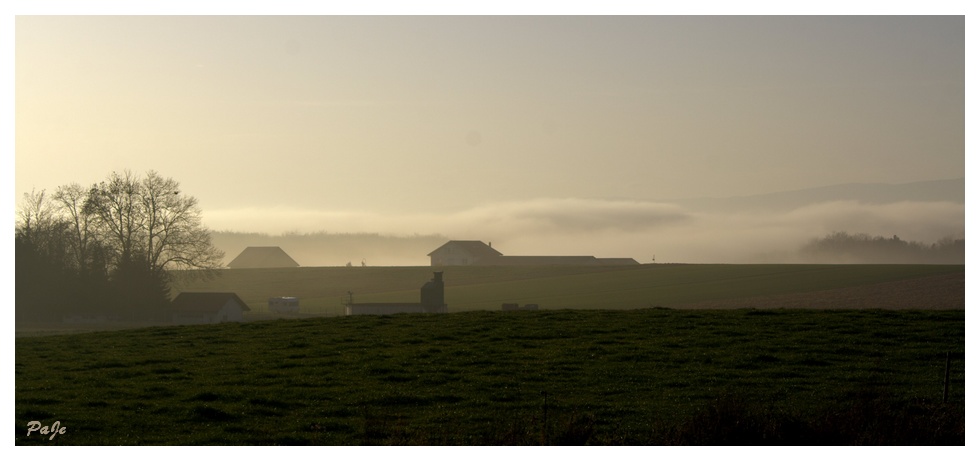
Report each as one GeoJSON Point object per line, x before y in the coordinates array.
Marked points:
{"type": "Point", "coordinates": [931, 293]}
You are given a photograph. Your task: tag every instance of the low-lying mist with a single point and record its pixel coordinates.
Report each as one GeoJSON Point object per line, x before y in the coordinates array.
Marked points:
{"type": "Point", "coordinates": [641, 230]}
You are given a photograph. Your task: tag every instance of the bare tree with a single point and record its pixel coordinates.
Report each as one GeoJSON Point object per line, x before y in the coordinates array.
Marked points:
{"type": "Point", "coordinates": [36, 215]}
{"type": "Point", "coordinates": [115, 206]}
{"type": "Point", "coordinates": [44, 281]}
{"type": "Point", "coordinates": [152, 224]}
{"type": "Point", "coordinates": [83, 242]}
{"type": "Point", "coordinates": [41, 228]}
{"type": "Point", "coordinates": [175, 235]}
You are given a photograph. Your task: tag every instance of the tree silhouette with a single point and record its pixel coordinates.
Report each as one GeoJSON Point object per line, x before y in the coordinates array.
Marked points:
{"type": "Point", "coordinates": [112, 248]}
{"type": "Point", "coordinates": [842, 247]}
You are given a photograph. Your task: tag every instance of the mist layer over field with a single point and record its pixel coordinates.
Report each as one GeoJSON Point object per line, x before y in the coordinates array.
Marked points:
{"type": "Point", "coordinates": [642, 230]}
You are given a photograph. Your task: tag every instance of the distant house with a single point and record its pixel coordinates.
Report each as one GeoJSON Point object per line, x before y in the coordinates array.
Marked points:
{"type": "Point", "coordinates": [477, 253]}
{"type": "Point", "coordinates": [432, 297]}
{"type": "Point", "coordinates": [463, 253]}
{"type": "Point", "coordinates": [198, 307]}
{"type": "Point", "coordinates": [262, 257]}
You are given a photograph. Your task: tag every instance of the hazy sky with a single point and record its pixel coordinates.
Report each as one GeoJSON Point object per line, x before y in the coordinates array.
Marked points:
{"type": "Point", "coordinates": [417, 124]}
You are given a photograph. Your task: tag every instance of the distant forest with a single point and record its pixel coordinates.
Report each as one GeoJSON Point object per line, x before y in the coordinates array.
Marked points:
{"type": "Point", "coordinates": [845, 248]}
{"type": "Point", "coordinates": [327, 249]}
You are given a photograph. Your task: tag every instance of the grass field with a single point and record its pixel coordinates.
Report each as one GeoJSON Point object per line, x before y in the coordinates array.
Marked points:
{"type": "Point", "coordinates": [602, 372]}
{"type": "Point", "coordinates": [650, 376]}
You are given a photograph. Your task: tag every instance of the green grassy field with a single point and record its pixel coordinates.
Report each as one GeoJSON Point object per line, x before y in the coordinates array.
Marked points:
{"type": "Point", "coordinates": [321, 289]}
{"type": "Point", "coordinates": [650, 376]}
{"type": "Point", "coordinates": [588, 368]}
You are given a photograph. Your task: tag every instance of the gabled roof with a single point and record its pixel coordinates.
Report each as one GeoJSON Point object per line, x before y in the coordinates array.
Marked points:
{"type": "Point", "coordinates": [474, 248]}
{"type": "Point", "coordinates": [204, 302]}
{"type": "Point", "coordinates": [256, 257]}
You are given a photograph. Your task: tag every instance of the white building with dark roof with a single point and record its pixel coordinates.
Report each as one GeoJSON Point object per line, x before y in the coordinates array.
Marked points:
{"type": "Point", "coordinates": [464, 253]}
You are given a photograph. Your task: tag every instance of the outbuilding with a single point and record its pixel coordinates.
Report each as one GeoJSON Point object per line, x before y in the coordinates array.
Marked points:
{"type": "Point", "coordinates": [207, 307]}
{"type": "Point", "coordinates": [284, 305]}
{"type": "Point", "coordinates": [477, 253]}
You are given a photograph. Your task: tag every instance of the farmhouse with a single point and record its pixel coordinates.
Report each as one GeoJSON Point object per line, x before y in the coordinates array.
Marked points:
{"type": "Point", "coordinates": [198, 307]}
{"type": "Point", "coordinates": [477, 253]}
{"type": "Point", "coordinates": [433, 301]}
{"type": "Point", "coordinates": [262, 257]}
{"type": "Point", "coordinates": [464, 253]}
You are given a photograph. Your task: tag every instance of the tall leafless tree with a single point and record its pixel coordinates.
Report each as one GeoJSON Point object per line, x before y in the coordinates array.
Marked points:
{"type": "Point", "coordinates": [83, 241]}
{"type": "Point", "coordinates": [150, 223]}
{"type": "Point", "coordinates": [115, 206]}
{"type": "Point", "coordinates": [175, 236]}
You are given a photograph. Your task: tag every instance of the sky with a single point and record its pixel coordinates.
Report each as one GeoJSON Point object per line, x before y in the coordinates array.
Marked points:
{"type": "Point", "coordinates": [550, 134]}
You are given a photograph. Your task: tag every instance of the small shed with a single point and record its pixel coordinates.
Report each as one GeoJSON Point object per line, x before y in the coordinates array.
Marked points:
{"type": "Point", "coordinates": [206, 307]}
{"type": "Point", "coordinates": [284, 304]}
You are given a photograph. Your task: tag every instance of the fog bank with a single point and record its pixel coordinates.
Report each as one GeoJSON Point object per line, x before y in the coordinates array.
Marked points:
{"type": "Point", "coordinates": [615, 228]}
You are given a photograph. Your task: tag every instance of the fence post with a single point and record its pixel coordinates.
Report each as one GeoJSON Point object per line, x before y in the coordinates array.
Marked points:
{"type": "Point", "coordinates": [544, 420]}
{"type": "Point", "coordinates": [946, 379]}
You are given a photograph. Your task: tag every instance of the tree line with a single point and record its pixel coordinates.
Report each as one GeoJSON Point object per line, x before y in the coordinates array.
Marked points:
{"type": "Point", "coordinates": [842, 247]}
{"type": "Point", "coordinates": [107, 249]}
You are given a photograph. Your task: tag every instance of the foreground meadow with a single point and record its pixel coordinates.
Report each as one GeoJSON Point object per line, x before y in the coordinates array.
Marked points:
{"type": "Point", "coordinates": [648, 376]}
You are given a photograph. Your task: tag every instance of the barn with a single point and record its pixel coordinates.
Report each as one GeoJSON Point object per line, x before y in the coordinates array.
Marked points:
{"type": "Point", "coordinates": [207, 307]}
{"type": "Point", "coordinates": [477, 253]}
{"type": "Point", "coordinates": [262, 257]}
